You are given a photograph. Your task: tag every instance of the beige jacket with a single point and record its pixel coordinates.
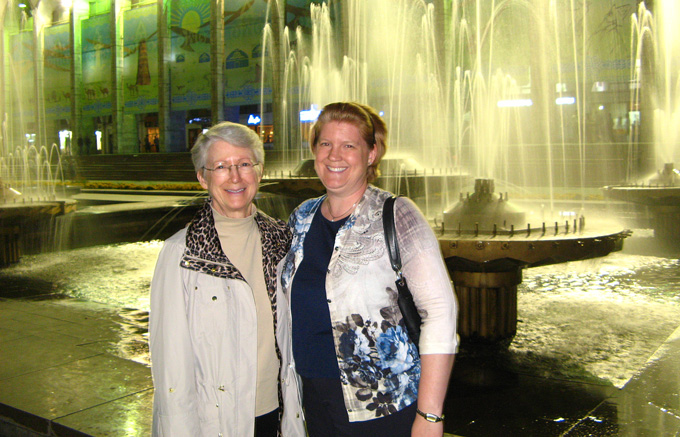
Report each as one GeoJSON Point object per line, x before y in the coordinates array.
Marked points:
{"type": "Point", "coordinates": [203, 339]}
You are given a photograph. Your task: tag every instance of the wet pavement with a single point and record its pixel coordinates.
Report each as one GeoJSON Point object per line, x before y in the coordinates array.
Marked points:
{"type": "Point", "coordinates": [488, 398]}
{"type": "Point", "coordinates": [61, 374]}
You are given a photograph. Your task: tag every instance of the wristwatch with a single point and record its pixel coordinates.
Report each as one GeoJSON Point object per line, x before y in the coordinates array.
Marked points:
{"type": "Point", "coordinates": [430, 417]}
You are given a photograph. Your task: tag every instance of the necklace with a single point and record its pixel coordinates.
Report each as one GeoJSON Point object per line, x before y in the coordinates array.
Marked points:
{"type": "Point", "coordinates": [335, 217]}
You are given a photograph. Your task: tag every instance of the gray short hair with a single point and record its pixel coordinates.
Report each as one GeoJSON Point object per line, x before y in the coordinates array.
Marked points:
{"type": "Point", "coordinates": [233, 133]}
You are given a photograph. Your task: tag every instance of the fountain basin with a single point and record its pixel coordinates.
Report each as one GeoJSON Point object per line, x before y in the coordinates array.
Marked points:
{"type": "Point", "coordinates": [645, 195]}
{"type": "Point", "coordinates": [20, 222]}
{"type": "Point", "coordinates": [486, 271]}
{"type": "Point", "coordinates": [36, 209]}
{"type": "Point", "coordinates": [486, 254]}
{"type": "Point", "coordinates": [661, 194]}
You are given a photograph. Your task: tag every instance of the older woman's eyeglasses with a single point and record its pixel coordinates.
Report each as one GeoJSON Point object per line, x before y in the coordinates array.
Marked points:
{"type": "Point", "coordinates": [223, 169]}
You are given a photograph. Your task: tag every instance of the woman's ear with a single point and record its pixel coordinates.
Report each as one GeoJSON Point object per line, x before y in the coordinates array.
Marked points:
{"type": "Point", "coordinates": [201, 180]}
{"type": "Point", "coordinates": [372, 154]}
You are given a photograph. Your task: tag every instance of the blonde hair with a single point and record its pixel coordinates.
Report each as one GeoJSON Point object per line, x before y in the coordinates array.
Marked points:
{"type": "Point", "coordinates": [371, 126]}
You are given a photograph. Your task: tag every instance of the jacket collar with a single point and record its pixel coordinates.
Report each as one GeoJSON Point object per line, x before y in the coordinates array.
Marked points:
{"type": "Point", "coordinates": [204, 252]}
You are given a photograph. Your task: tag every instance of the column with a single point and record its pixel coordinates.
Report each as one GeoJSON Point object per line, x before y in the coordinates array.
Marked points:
{"type": "Point", "coordinates": [217, 59]}
{"type": "Point", "coordinates": [4, 141]}
{"type": "Point", "coordinates": [117, 103]}
{"type": "Point", "coordinates": [39, 75]}
{"type": "Point", "coordinates": [164, 53]}
{"type": "Point", "coordinates": [76, 76]}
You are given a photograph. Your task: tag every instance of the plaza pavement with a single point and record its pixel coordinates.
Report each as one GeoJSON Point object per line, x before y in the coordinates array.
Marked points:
{"type": "Point", "coordinates": [60, 375]}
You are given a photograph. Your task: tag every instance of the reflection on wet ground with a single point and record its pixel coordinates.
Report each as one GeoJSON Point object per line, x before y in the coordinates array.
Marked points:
{"type": "Point", "coordinates": [599, 318]}
{"type": "Point", "coordinates": [116, 275]}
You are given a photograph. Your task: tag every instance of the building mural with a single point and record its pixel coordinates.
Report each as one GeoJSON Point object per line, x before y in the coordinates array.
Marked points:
{"type": "Point", "coordinates": [190, 65]}
{"type": "Point", "coordinates": [96, 61]}
{"type": "Point", "coordinates": [140, 54]}
{"type": "Point", "coordinates": [57, 72]}
{"type": "Point", "coordinates": [22, 68]}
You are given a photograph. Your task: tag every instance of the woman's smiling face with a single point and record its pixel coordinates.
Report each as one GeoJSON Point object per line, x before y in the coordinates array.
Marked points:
{"type": "Point", "coordinates": [342, 158]}
{"type": "Point", "coordinates": [232, 191]}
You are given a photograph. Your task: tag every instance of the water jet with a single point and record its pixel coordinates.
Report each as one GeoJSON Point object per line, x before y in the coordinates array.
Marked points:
{"type": "Point", "coordinates": [457, 93]}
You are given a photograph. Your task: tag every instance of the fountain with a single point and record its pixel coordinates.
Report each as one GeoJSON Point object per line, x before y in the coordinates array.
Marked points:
{"type": "Point", "coordinates": [32, 174]}
{"type": "Point", "coordinates": [461, 86]}
{"type": "Point", "coordinates": [657, 94]}
{"type": "Point", "coordinates": [30, 204]}
{"type": "Point", "coordinates": [467, 94]}
{"type": "Point", "coordinates": [486, 241]}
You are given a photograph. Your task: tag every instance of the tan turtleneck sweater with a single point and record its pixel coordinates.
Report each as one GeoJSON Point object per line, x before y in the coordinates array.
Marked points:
{"type": "Point", "coordinates": [240, 240]}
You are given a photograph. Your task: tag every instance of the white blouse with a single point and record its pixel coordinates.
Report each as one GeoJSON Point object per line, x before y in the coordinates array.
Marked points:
{"type": "Point", "coordinates": [379, 365]}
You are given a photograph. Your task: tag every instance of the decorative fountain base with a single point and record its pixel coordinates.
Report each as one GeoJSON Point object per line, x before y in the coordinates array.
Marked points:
{"type": "Point", "coordinates": [10, 251]}
{"type": "Point", "coordinates": [486, 263]}
{"type": "Point", "coordinates": [488, 303]}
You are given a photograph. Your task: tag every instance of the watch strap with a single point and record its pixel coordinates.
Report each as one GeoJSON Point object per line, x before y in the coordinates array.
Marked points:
{"type": "Point", "coordinates": [430, 417]}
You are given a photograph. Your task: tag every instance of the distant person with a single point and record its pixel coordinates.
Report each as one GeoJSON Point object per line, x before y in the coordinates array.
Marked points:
{"type": "Point", "coordinates": [214, 331]}
{"type": "Point", "coordinates": [361, 373]}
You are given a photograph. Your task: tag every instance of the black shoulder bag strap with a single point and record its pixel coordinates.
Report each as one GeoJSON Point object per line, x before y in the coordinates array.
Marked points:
{"type": "Point", "coordinates": [407, 306]}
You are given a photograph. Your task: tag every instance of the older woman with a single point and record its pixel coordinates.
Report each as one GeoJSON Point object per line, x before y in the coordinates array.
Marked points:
{"type": "Point", "coordinates": [361, 374]}
{"type": "Point", "coordinates": [214, 329]}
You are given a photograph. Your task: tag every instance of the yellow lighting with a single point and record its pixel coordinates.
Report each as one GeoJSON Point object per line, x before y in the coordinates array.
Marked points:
{"type": "Point", "coordinates": [98, 135]}
{"type": "Point", "coordinates": [514, 103]}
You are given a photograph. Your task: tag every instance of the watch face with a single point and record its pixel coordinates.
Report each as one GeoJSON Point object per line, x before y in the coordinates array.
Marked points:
{"type": "Point", "coordinates": [430, 417]}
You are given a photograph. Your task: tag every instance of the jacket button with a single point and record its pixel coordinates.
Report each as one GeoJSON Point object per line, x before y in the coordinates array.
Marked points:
{"type": "Point", "coordinates": [214, 297]}
{"type": "Point", "coordinates": [328, 271]}
{"type": "Point", "coordinates": [221, 388]}
{"type": "Point", "coordinates": [328, 300]}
